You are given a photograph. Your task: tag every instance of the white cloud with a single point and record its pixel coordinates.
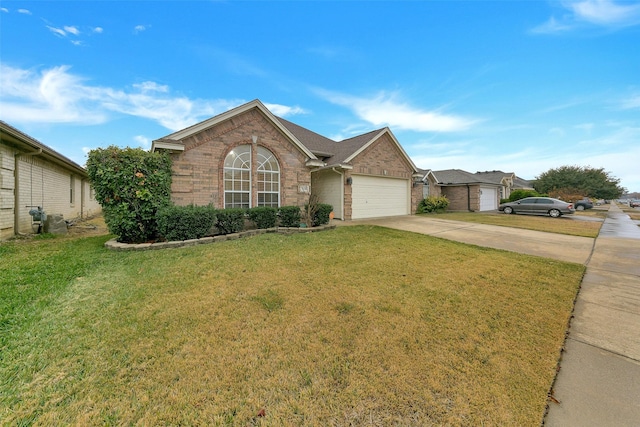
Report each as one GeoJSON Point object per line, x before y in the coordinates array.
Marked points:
{"type": "Point", "coordinates": [576, 14]}
{"type": "Point", "coordinates": [151, 87]}
{"type": "Point", "coordinates": [4, 9]}
{"type": "Point", "coordinates": [605, 12]}
{"type": "Point", "coordinates": [57, 96]}
{"type": "Point", "coordinates": [139, 28]}
{"type": "Point", "coordinates": [53, 96]}
{"type": "Point", "coordinates": [72, 30]}
{"type": "Point", "coordinates": [631, 103]}
{"type": "Point", "coordinates": [57, 31]}
{"type": "Point", "coordinates": [284, 110]}
{"type": "Point", "coordinates": [142, 141]}
{"type": "Point", "coordinates": [386, 110]}
{"type": "Point", "coordinates": [24, 11]}
{"type": "Point", "coordinates": [98, 30]}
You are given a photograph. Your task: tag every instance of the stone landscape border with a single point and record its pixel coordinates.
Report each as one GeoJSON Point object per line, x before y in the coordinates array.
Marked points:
{"type": "Point", "coordinates": [114, 245]}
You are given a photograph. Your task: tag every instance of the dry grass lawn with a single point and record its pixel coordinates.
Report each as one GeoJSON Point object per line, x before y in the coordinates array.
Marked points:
{"type": "Point", "coordinates": [356, 326]}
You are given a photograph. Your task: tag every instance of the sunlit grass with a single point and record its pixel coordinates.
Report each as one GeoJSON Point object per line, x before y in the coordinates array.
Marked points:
{"type": "Point", "coordinates": [359, 325]}
{"type": "Point", "coordinates": [529, 222]}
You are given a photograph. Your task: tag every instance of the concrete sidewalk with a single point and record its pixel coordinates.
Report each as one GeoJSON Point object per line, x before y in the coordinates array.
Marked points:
{"type": "Point", "coordinates": [599, 379]}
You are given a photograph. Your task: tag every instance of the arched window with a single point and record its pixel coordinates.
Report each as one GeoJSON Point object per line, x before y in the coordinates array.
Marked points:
{"type": "Point", "coordinates": [237, 178]}
{"type": "Point", "coordinates": [239, 168]}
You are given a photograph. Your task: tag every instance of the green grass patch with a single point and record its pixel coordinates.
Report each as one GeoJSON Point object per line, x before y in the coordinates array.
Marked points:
{"type": "Point", "coordinates": [359, 325]}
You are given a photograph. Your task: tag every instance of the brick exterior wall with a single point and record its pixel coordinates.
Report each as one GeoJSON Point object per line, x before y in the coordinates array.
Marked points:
{"type": "Point", "coordinates": [382, 158]}
{"type": "Point", "coordinates": [461, 199]}
{"type": "Point", "coordinates": [199, 169]}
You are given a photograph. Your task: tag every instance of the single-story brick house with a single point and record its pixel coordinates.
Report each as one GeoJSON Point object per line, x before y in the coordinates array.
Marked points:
{"type": "Point", "coordinates": [466, 191]}
{"type": "Point", "coordinates": [248, 157]}
{"type": "Point", "coordinates": [33, 174]}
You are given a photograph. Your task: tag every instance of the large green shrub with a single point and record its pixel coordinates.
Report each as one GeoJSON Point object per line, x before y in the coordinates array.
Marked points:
{"type": "Point", "coordinates": [131, 185]}
{"type": "Point", "coordinates": [433, 204]}
{"type": "Point", "coordinates": [185, 222]}
{"type": "Point", "coordinates": [322, 213]}
{"type": "Point", "coordinates": [290, 216]}
{"type": "Point", "coordinates": [263, 216]}
{"type": "Point", "coordinates": [230, 220]}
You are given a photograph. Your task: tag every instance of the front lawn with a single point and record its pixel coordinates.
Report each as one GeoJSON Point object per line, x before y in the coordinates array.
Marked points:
{"type": "Point", "coordinates": [358, 325]}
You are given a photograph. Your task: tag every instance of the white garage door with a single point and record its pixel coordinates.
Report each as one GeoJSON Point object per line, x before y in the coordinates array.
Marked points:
{"type": "Point", "coordinates": [375, 197]}
{"type": "Point", "coordinates": [488, 198]}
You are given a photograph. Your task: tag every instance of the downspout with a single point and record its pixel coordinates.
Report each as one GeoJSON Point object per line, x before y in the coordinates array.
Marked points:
{"type": "Point", "coordinates": [16, 188]}
{"type": "Point", "coordinates": [82, 198]}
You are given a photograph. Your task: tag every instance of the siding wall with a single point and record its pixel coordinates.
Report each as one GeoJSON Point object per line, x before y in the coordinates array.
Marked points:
{"type": "Point", "coordinates": [7, 184]}
{"type": "Point", "coordinates": [39, 183]}
{"type": "Point", "coordinates": [327, 185]}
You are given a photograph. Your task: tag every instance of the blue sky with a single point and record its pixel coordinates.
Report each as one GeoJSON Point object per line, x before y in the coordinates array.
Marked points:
{"type": "Point", "coordinates": [518, 86]}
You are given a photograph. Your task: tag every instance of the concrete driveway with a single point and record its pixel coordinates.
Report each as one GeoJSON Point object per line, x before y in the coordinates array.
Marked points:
{"type": "Point", "coordinates": [549, 245]}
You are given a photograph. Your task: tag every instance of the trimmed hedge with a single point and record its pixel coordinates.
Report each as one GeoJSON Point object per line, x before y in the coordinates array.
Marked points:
{"type": "Point", "coordinates": [263, 216]}
{"type": "Point", "coordinates": [185, 222]}
{"type": "Point", "coordinates": [230, 220]}
{"type": "Point", "coordinates": [290, 216]}
{"type": "Point", "coordinates": [321, 216]}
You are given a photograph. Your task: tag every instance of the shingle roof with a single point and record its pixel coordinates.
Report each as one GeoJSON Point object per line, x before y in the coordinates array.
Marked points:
{"type": "Point", "coordinates": [14, 136]}
{"type": "Point", "coordinates": [456, 177]}
{"type": "Point", "coordinates": [494, 176]}
{"type": "Point", "coordinates": [333, 152]}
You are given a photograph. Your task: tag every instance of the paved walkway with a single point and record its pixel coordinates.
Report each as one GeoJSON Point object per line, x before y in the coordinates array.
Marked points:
{"type": "Point", "coordinates": [599, 379]}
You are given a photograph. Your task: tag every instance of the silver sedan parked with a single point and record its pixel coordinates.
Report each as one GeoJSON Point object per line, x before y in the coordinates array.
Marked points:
{"type": "Point", "coordinates": [538, 206]}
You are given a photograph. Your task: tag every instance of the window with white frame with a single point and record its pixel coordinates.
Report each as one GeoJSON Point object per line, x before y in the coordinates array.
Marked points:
{"type": "Point", "coordinates": [268, 178]}
{"type": "Point", "coordinates": [238, 171]}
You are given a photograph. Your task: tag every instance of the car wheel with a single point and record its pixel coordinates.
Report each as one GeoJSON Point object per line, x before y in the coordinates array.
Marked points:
{"type": "Point", "coordinates": [554, 213]}
{"type": "Point", "coordinates": [579, 208]}
{"type": "Point", "coordinates": [508, 210]}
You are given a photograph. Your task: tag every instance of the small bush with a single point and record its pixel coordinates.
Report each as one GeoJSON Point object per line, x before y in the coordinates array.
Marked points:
{"type": "Point", "coordinates": [433, 204]}
{"type": "Point", "coordinates": [263, 216]}
{"type": "Point", "coordinates": [521, 194]}
{"type": "Point", "coordinates": [290, 216]}
{"type": "Point", "coordinates": [185, 222]}
{"type": "Point", "coordinates": [230, 221]}
{"type": "Point", "coordinates": [321, 216]}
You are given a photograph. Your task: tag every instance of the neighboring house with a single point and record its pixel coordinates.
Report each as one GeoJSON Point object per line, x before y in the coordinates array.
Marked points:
{"type": "Point", "coordinates": [32, 174]}
{"type": "Point", "coordinates": [466, 191]}
{"type": "Point", "coordinates": [248, 157]}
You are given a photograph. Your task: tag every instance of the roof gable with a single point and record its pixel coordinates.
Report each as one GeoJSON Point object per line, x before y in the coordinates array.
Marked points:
{"type": "Point", "coordinates": [315, 146]}
{"type": "Point", "coordinates": [178, 136]}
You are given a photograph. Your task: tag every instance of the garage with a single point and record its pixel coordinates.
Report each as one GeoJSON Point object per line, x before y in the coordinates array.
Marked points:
{"type": "Point", "coordinates": [488, 198]}
{"type": "Point", "coordinates": [374, 196]}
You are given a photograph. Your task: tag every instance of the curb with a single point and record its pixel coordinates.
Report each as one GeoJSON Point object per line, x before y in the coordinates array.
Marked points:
{"type": "Point", "coordinates": [114, 245]}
